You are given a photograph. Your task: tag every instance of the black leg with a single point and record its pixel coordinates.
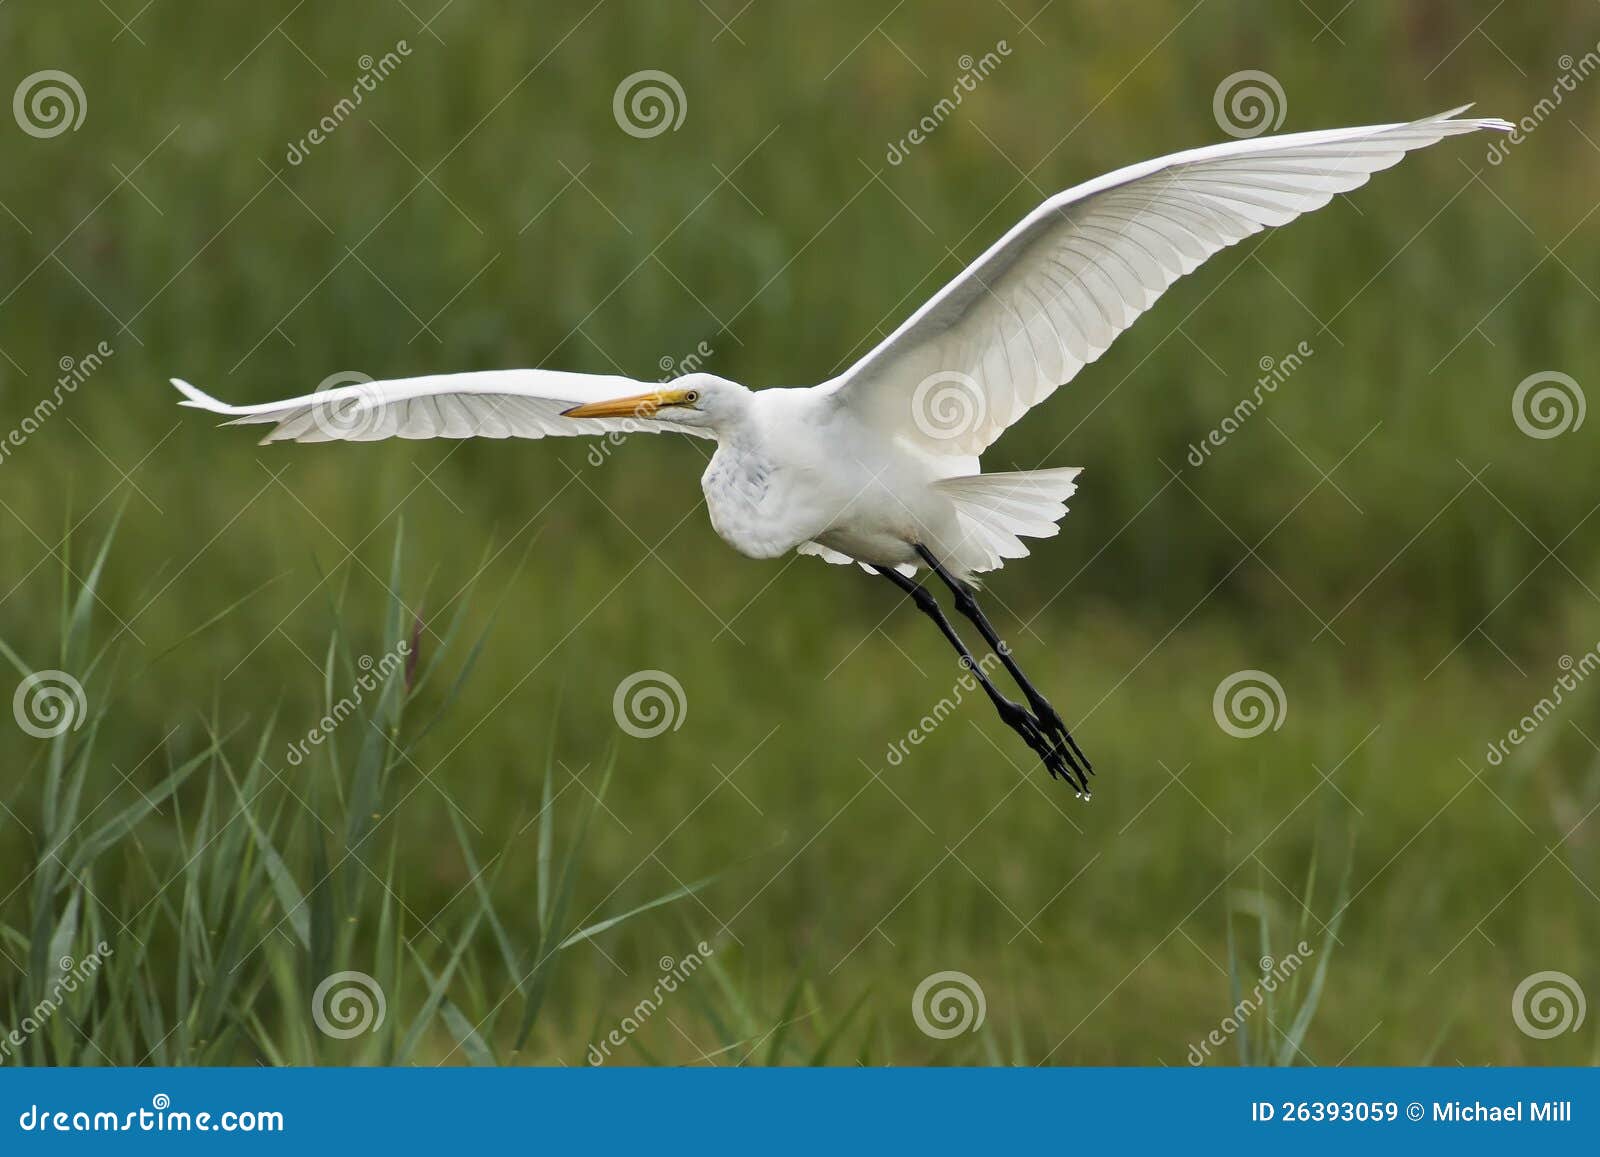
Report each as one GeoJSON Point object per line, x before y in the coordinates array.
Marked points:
{"type": "Point", "coordinates": [1048, 717]}
{"type": "Point", "coordinates": [1014, 715]}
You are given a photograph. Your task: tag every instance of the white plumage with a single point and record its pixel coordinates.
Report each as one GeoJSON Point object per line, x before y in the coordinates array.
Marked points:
{"type": "Point", "coordinates": [884, 458]}
{"type": "Point", "coordinates": [487, 404]}
{"type": "Point", "coordinates": [880, 465]}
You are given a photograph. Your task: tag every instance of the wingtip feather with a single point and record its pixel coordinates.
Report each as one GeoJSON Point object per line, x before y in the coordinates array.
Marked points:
{"type": "Point", "coordinates": [1453, 116]}
{"type": "Point", "coordinates": [199, 399]}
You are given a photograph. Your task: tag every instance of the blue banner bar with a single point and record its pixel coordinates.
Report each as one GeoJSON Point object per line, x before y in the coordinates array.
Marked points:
{"type": "Point", "coordinates": [798, 1110]}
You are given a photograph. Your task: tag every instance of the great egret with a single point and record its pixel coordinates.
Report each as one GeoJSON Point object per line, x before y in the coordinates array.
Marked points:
{"type": "Point", "coordinates": [879, 466]}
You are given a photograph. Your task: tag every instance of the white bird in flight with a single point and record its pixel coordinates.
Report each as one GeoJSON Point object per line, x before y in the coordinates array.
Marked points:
{"type": "Point", "coordinates": [880, 465]}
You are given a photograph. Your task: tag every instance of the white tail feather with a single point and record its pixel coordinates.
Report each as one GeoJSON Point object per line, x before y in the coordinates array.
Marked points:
{"type": "Point", "coordinates": [996, 511]}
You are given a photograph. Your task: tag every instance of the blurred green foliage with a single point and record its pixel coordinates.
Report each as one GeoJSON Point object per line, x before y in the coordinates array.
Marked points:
{"type": "Point", "coordinates": [1381, 537]}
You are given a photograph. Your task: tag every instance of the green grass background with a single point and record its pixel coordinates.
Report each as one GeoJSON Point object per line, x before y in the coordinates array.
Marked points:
{"type": "Point", "coordinates": [486, 190]}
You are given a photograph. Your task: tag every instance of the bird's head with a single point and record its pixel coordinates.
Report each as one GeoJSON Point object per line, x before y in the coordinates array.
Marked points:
{"type": "Point", "coordinates": [703, 400]}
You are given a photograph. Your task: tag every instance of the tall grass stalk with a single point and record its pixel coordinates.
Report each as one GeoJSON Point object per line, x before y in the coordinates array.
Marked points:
{"type": "Point", "coordinates": [190, 917]}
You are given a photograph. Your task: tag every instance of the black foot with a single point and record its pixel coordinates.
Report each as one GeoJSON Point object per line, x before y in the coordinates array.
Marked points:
{"type": "Point", "coordinates": [1058, 761]}
{"type": "Point", "coordinates": [1050, 723]}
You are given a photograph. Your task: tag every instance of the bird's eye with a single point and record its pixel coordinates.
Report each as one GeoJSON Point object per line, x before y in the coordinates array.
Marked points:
{"type": "Point", "coordinates": [692, 397]}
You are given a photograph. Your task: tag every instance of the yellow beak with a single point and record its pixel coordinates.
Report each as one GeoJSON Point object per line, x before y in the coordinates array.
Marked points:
{"type": "Point", "coordinates": [637, 406]}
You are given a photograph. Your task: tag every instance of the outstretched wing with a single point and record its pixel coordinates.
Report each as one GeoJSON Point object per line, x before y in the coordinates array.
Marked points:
{"type": "Point", "coordinates": [1052, 294]}
{"type": "Point", "coordinates": [491, 404]}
